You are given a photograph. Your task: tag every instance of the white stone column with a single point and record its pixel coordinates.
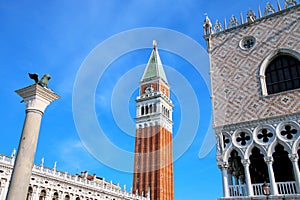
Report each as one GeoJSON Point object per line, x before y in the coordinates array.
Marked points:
{"type": "Point", "coordinates": [138, 110]}
{"type": "Point", "coordinates": [35, 193]}
{"type": "Point", "coordinates": [294, 158]}
{"type": "Point", "coordinates": [246, 164]}
{"type": "Point", "coordinates": [224, 168]}
{"type": "Point", "coordinates": [37, 98]}
{"type": "Point", "coordinates": [60, 196]}
{"type": "Point", "coordinates": [263, 84]}
{"type": "Point", "coordinates": [273, 185]}
{"type": "Point", "coordinates": [6, 185]}
{"type": "Point", "coordinates": [229, 174]}
{"type": "Point", "coordinates": [48, 195]}
{"type": "Point", "coordinates": [2, 188]}
{"type": "Point", "coordinates": [1, 191]}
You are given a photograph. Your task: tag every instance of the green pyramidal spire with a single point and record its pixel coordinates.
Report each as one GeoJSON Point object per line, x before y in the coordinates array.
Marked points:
{"type": "Point", "coordinates": [154, 68]}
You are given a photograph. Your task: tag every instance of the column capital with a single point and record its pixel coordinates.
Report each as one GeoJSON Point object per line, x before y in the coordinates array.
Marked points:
{"type": "Point", "coordinates": [37, 97]}
{"type": "Point", "coordinates": [246, 162]}
{"type": "Point", "coordinates": [223, 164]}
{"type": "Point", "coordinates": [3, 181]}
{"type": "Point", "coordinates": [269, 159]}
{"type": "Point", "coordinates": [294, 157]}
{"type": "Point", "coordinates": [262, 76]}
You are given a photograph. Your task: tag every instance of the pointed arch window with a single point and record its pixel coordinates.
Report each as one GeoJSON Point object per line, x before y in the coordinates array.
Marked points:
{"type": "Point", "coordinates": [283, 74]}
{"type": "Point", "coordinates": [258, 168]}
{"type": "Point", "coordinates": [280, 72]}
{"type": "Point", "coordinates": [282, 165]}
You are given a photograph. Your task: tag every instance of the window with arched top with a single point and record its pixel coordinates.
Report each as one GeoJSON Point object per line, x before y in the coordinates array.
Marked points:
{"type": "Point", "coordinates": [283, 74]}
{"type": "Point", "coordinates": [55, 196]}
{"type": "Point", "coordinates": [142, 110]}
{"type": "Point", "coordinates": [147, 110]}
{"type": "Point", "coordinates": [280, 72]}
{"type": "Point", "coordinates": [42, 195]}
{"type": "Point", "coordinates": [29, 193]}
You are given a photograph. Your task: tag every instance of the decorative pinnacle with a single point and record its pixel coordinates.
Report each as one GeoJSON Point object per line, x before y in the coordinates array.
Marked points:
{"type": "Point", "coordinates": [154, 44]}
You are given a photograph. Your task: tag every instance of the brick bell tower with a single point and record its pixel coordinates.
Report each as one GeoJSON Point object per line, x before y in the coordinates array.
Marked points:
{"type": "Point", "coordinates": [153, 162]}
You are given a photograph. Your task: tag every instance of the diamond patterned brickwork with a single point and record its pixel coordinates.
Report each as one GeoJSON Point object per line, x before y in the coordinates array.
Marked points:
{"type": "Point", "coordinates": [236, 88]}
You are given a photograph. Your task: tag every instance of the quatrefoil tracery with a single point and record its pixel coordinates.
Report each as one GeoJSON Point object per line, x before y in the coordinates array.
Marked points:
{"type": "Point", "coordinates": [288, 132]}
{"type": "Point", "coordinates": [265, 135]}
{"type": "Point", "coordinates": [226, 141]}
{"type": "Point", "coordinates": [243, 138]}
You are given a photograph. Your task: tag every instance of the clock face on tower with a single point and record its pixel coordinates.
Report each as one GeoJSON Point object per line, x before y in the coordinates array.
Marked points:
{"type": "Point", "coordinates": [149, 89]}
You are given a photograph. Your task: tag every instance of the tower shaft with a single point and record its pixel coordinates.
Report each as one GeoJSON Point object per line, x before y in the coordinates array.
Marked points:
{"type": "Point", "coordinates": [153, 163]}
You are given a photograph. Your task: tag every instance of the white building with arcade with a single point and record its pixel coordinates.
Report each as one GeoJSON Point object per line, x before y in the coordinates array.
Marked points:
{"type": "Point", "coordinates": [52, 184]}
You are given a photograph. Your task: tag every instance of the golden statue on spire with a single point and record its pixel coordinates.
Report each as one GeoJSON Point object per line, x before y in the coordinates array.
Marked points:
{"type": "Point", "coordinates": [154, 44]}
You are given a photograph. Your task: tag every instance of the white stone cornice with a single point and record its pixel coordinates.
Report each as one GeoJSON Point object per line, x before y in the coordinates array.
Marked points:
{"type": "Point", "coordinates": [163, 122]}
{"type": "Point", "coordinates": [37, 97]}
{"type": "Point", "coordinates": [38, 90]}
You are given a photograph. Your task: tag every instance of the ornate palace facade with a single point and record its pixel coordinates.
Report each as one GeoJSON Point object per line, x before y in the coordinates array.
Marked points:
{"type": "Point", "coordinates": [51, 184]}
{"type": "Point", "coordinates": [255, 79]}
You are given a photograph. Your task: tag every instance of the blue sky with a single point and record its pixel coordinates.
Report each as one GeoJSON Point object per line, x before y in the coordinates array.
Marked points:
{"type": "Point", "coordinates": [57, 37]}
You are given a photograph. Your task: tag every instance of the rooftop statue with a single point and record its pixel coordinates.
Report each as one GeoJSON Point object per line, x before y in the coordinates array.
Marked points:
{"type": "Point", "coordinates": [44, 80]}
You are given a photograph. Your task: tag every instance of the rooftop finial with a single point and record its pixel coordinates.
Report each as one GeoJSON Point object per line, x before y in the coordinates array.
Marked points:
{"type": "Point", "coordinates": [207, 25]}
{"type": "Point", "coordinates": [154, 44]}
{"type": "Point", "coordinates": [13, 153]}
{"type": "Point", "coordinates": [54, 166]}
{"type": "Point", "coordinates": [42, 161]}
